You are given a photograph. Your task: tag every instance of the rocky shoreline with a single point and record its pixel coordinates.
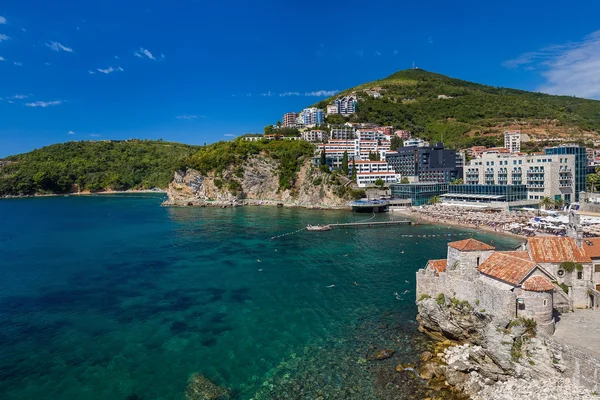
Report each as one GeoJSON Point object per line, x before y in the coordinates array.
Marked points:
{"type": "Point", "coordinates": [485, 358]}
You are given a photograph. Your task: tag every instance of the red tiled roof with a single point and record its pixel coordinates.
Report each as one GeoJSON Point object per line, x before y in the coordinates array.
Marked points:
{"type": "Point", "coordinates": [507, 268]}
{"type": "Point", "coordinates": [591, 246]}
{"type": "Point", "coordinates": [556, 249]}
{"type": "Point", "coordinates": [521, 254]}
{"type": "Point", "coordinates": [538, 284]}
{"type": "Point", "coordinates": [438, 265]}
{"type": "Point", "coordinates": [470, 245]}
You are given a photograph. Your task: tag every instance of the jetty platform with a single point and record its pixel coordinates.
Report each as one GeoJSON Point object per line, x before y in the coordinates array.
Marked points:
{"type": "Point", "coordinates": [370, 224]}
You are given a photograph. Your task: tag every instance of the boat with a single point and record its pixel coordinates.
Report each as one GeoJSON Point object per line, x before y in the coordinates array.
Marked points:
{"type": "Point", "coordinates": [318, 228]}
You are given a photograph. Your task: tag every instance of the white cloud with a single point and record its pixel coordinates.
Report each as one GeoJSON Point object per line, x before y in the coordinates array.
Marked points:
{"type": "Point", "coordinates": [56, 46]}
{"type": "Point", "coordinates": [91, 72]}
{"type": "Point", "coordinates": [185, 116]}
{"type": "Point", "coordinates": [70, 133]}
{"type": "Point", "coordinates": [11, 102]}
{"type": "Point", "coordinates": [108, 70]}
{"type": "Point", "coordinates": [569, 69]}
{"type": "Point", "coordinates": [377, 53]}
{"type": "Point", "coordinates": [3, 37]}
{"type": "Point", "coordinates": [2, 58]}
{"type": "Point", "coordinates": [229, 135]}
{"type": "Point", "coordinates": [2, 20]}
{"type": "Point", "coordinates": [117, 58]}
{"type": "Point", "coordinates": [144, 52]}
{"type": "Point", "coordinates": [286, 94]}
{"type": "Point", "coordinates": [20, 96]}
{"type": "Point", "coordinates": [44, 104]}
{"type": "Point", "coordinates": [94, 135]}
{"type": "Point", "coordinates": [322, 93]}
{"type": "Point", "coordinates": [267, 94]}
{"type": "Point", "coordinates": [18, 63]}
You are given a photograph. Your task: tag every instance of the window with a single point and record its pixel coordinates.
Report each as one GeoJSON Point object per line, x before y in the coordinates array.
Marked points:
{"type": "Point", "coordinates": [478, 261]}
{"type": "Point", "coordinates": [545, 302]}
{"type": "Point", "coordinates": [597, 268]}
{"type": "Point", "coordinates": [579, 274]}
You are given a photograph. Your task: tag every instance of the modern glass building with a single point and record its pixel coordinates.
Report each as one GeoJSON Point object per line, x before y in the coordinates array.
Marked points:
{"type": "Point", "coordinates": [580, 163]}
{"type": "Point", "coordinates": [486, 193]}
{"type": "Point", "coordinates": [419, 193]}
{"type": "Point", "coordinates": [428, 164]}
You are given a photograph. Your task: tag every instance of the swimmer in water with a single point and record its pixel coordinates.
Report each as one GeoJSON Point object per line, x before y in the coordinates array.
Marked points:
{"type": "Point", "coordinates": [330, 286]}
{"type": "Point", "coordinates": [397, 295]}
{"type": "Point", "coordinates": [260, 270]}
{"type": "Point", "coordinates": [356, 283]}
{"type": "Point", "coordinates": [406, 291]}
{"type": "Point", "coordinates": [257, 260]}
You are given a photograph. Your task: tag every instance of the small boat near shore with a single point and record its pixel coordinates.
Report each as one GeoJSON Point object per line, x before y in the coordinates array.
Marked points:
{"type": "Point", "coordinates": [318, 228]}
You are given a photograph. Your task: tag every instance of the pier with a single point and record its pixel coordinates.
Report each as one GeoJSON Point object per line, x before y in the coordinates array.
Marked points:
{"type": "Point", "coordinates": [370, 224]}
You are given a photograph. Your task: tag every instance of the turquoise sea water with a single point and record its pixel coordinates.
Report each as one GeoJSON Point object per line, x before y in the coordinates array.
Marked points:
{"type": "Point", "coordinates": [115, 297]}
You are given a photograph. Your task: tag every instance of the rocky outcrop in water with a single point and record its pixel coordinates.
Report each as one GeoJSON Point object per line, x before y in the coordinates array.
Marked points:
{"type": "Point", "coordinates": [488, 358]}
{"type": "Point", "coordinates": [257, 182]}
{"type": "Point", "coordinates": [201, 388]}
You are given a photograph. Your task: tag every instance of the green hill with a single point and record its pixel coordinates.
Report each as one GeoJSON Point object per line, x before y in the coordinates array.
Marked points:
{"type": "Point", "coordinates": [138, 164]}
{"type": "Point", "coordinates": [475, 113]}
{"type": "Point", "coordinates": [93, 166]}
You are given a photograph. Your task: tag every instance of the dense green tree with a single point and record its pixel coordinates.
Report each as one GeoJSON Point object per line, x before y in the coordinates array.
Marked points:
{"type": "Point", "coordinates": [559, 203]}
{"type": "Point", "coordinates": [323, 159]}
{"type": "Point", "coordinates": [345, 163]}
{"type": "Point", "coordinates": [404, 180]}
{"type": "Point", "coordinates": [379, 183]}
{"type": "Point", "coordinates": [353, 175]}
{"type": "Point", "coordinates": [434, 200]}
{"type": "Point", "coordinates": [335, 119]}
{"type": "Point", "coordinates": [396, 143]}
{"type": "Point", "coordinates": [457, 181]}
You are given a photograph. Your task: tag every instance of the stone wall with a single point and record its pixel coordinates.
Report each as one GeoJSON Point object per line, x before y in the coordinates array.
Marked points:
{"type": "Point", "coordinates": [467, 261]}
{"type": "Point", "coordinates": [582, 367]}
{"type": "Point", "coordinates": [539, 307]}
{"type": "Point", "coordinates": [481, 296]}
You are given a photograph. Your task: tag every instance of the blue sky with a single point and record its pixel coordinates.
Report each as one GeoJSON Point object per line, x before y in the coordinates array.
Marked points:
{"type": "Point", "coordinates": [196, 71]}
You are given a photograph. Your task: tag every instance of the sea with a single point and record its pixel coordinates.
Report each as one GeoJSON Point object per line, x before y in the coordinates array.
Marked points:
{"type": "Point", "coordinates": [116, 297]}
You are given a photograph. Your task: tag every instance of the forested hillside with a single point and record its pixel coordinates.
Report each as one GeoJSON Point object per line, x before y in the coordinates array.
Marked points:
{"type": "Point", "coordinates": [136, 164]}
{"type": "Point", "coordinates": [433, 105]}
{"type": "Point", "coordinates": [93, 166]}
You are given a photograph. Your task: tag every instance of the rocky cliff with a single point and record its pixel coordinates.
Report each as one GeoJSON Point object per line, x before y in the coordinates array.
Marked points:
{"type": "Point", "coordinates": [488, 358]}
{"type": "Point", "coordinates": [257, 182]}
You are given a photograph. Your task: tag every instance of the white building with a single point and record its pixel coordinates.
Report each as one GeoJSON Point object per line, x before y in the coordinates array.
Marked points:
{"type": "Point", "coordinates": [314, 135]}
{"type": "Point", "coordinates": [550, 176]}
{"type": "Point", "coordinates": [332, 109]}
{"type": "Point", "coordinates": [415, 142]}
{"type": "Point", "coordinates": [367, 172]}
{"type": "Point", "coordinates": [371, 134]}
{"type": "Point", "coordinates": [311, 116]}
{"type": "Point", "coordinates": [346, 105]}
{"type": "Point", "coordinates": [342, 133]}
{"type": "Point", "coordinates": [512, 141]}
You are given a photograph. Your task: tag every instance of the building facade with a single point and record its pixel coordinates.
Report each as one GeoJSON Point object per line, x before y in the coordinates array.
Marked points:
{"type": "Point", "coordinates": [550, 176]}
{"type": "Point", "coordinates": [346, 105]}
{"type": "Point", "coordinates": [512, 141]}
{"type": "Point", "coordinates": [342, 133]}
{"type": "Point", "coordinates": [289, 120]}
{"type": "Point", "coordinates": [418, 193]}
{"type": "Point", "coordinates": [425, 164]}
{"type": "Point", "coordinates": [415, 142]}
{"type": "Point", "coordinates": [312, 116]}
{"type": "Point", "coordinates": [314, 135]}
{"type": "Point", "coordinates": [580, 168]}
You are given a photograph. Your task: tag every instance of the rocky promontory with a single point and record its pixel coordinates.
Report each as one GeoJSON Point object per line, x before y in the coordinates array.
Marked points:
{"type": "Point", "coordinates": [256, 182]}
{"type": "Point", "coordinates": [488, 358]}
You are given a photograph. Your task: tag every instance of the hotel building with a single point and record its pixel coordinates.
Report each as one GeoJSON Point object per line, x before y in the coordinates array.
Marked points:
{"type": "Point", "coordinates": [289, 120]}
{"type": "Point", "coordinates": [512, 141]}
{"type": "Point", "coordinates": [544, 175]}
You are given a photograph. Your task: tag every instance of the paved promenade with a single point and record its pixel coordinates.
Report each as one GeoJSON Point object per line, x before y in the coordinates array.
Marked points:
{"type": "Point", "coordinates": [580, 329]}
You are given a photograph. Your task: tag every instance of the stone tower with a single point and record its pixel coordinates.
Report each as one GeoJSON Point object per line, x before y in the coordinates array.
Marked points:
{"type": "Point", "coordinates": [574, 229]}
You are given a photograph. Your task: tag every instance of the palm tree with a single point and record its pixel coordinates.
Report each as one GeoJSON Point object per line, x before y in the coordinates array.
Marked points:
{"type": "Point", "coordinates": [434, 200]}
{"type": "Point", "coordinates": [546, 203]}
{"type": "Point", "coordinates": [559, 203]}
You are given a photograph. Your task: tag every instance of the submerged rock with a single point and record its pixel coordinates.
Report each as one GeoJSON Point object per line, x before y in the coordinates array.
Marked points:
{"type": "Point", "coordinates": [201, 388]}
{"type": "Point", "coordinates": [384, 354]}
